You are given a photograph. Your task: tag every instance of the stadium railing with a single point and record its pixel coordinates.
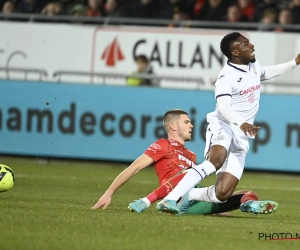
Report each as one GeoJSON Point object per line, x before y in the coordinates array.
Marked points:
{"type": "Point", "coordinates": [40, 72]}
{"type": "Point", "coordinates": [143, 21]}
{"type": "Point", "coordinates": [59, 74]}
{"type": "Point", "coordinates": [120, 79]}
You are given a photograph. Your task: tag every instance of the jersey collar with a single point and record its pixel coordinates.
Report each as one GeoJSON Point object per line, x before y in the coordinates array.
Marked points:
{"type": "Point", "coordinates": [243, 68]}
{"type": "Point", "coordinates": [172, 140]}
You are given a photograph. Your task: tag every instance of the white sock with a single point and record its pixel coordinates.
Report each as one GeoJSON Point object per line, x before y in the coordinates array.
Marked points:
{"type": "Point", "coordinates": [192, 178]}
{"type": "Point", "coordinates": [207, 194]}
{"type": "Point", "coordinates": [145, 199]}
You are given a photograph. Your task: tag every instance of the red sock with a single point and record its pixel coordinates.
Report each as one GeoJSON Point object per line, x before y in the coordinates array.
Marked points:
{"type": "Point", "coordinates": [165, 188]}
{"type": "Point", "coordinates": [249, 197]}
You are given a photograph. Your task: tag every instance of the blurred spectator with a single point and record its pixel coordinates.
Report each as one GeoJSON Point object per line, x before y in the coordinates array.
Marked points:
{"type": "Point", "coordinates": [179, 14]}
{"type": "Point", "coordinates": [95, 8]}
{"type": "Point", "coordinates": [145, 9]}
{"type": "Point", "coordinates": [262, 7]}
{"type": "Point", "coordinates": [143, 67]}
{"type": "Point", "coordinates": [235, 14]}
{"type": "Point", "coordinates": [247, 7]}
{"type": "Point", "coordinates": [199, 4]}
{"type": "Point", "coordinates": [31, 6]}
{"type": "Point", "coordinates": [78, 9]}
{"type": "Point", "coordinates": [285, 17]}
{"type": "Point", "coordinates": [283, 4]}
{"type": "Point", "coordinates": [269, 17]}
{"type": "Point", "coordinates": [9, 7]}
{"type": "Point", "coordinates": [114, 8]}
{"type": "Point", "coordinates": [213, 10]}
{"type": "Point", "coordinates": [295, 8]}
{"type": "Point", "coordinates": [263, 11]}
{"type": "Point", "coordinates": [66, 6]}
{"type": "Point", "coordinates": [177, 10]}
{"type": "Point", "coordinates": [52, 9]}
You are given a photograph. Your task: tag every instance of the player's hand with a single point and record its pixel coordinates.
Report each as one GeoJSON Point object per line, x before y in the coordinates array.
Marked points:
{"type": "Point", "coordinates": [103, 202]}
{"type": "Point", "coordinates": [249, 129]}
{"type": "Point", "coordinates": [297, 59]}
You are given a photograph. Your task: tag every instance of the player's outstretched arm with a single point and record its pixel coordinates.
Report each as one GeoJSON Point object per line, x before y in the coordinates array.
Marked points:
{"type": "Point", "coordinates": [276, 70]}
{"type": "Point", "coordinates": [140, 163]}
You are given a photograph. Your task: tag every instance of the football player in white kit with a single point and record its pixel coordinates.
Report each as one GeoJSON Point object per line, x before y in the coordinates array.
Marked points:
{"type": "Point", "coordinates": [231, 124]}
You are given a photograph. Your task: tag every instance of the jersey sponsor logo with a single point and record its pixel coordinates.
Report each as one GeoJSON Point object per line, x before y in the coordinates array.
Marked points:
{"type": "Point", "coordinates": [174, 144]}
{"type": "Point", "coordinates": [155, 145]}
{"type": "Point", "coordinates": [178, 151]}
{"type": "Point", "coordinates": [186, 160]}
{"type": "Point", "coordinates": [249, 90]}
{"type": "Point", "coordinates": [251, 98]}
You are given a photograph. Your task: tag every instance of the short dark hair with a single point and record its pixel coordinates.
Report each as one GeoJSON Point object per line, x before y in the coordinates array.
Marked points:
{"type": "Point", "coordinates": [143, 58]}
{"type": "Point", "coordinates": [172, 114]}
{"type": "Point", "coordinates": [226, 42]}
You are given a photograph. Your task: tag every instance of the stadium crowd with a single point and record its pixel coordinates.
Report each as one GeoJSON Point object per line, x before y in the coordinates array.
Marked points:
{"type": "Point", "coordinates": [263, 12]}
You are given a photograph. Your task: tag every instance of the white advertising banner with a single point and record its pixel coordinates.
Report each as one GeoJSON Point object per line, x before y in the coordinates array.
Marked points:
{"type": "Point", "coordinates": [184, 53]}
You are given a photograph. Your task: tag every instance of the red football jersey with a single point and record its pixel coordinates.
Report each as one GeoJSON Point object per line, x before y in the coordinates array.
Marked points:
{"type": "Point", "coordinates": [170, 157]}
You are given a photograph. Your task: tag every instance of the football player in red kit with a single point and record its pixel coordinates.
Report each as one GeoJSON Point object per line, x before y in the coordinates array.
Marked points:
{"type": "Point", "coordinates": [169, 156]}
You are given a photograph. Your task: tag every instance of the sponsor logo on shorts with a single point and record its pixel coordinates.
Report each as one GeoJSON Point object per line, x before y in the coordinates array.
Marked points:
{"type": "Point", "coordinates": [244, 138]}
{"type": "Point", "coordinates": [220, 137]}
{"type": "Point", "coordinates": [168, 188]}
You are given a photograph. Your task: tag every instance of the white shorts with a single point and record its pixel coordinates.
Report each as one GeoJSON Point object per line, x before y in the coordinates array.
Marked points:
{"type": "Point", "coordinates": [234, 140]}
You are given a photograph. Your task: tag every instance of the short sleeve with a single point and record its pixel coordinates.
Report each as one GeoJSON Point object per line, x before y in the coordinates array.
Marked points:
{"type": "Point", "coordinates": [223, 86]}
{"type": "Point", "coordinates": [157, 150]}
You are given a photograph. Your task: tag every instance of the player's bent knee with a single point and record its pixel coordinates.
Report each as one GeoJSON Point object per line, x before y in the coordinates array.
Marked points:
{"type": "Point", "coordinates": [223, 193]}
{"type": "Point", "coordinates": [217, 161]}
{"type": "Point", "coordinates": [217, 156]}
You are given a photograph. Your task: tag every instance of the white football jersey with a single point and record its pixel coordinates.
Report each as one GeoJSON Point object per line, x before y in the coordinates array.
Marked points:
{"type": "Point", "coordinates": [242, 83]}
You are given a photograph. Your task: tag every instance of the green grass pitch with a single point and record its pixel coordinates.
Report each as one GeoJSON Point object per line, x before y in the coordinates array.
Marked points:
{"type": "Point", "coordinates": [49, 208]}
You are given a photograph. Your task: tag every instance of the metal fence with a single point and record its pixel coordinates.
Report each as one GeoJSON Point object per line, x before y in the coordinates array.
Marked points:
{"type": "Point", "coordinates": [146, 22]}
{"type": "Point", "coordinates": [120, 79]}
